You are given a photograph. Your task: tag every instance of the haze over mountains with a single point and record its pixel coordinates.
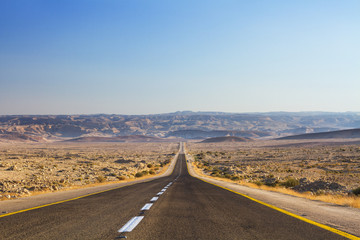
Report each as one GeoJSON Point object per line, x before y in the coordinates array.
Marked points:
{"type": "Point", "coordinates": [187, 125]}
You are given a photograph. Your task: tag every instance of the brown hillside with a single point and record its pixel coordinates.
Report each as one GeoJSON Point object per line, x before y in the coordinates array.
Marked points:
{"type": "Point", "coordinates": [350, 133]}
{"type": "Point", "coordinates": [18, 137]}
{"type": "Point", "coordinates": [132, 138]}
{"type": "Point", "coordinates": [226, 139]}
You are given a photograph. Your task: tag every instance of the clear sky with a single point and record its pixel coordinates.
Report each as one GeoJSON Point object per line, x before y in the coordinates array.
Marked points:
{"type": "Point", "coordinates": [151, 56]}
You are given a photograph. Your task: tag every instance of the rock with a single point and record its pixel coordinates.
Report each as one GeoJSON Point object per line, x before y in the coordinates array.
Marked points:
{"type": "Point", "coordinates": [32, 188]}
{"type": "Point", "coordinates": [270, 181]}
{"type": "Point", "coordinates": [124, 161]}
{"type": "Point", "coordinates": [303, 180]}
{"type": "Point", "coordinates": [319, 187]}
{"type": "Point", "coordinates": [12, 168]}
{"type": "Point", "coordinates": [8, 196]}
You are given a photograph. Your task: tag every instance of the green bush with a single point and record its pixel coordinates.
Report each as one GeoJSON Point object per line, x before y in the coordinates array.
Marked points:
{"type": "Point", "coordinates": [139, 174]}
{"type": "Point", "coordinates": [291, 182]}
{"type": "Point", "coordinates": [356, 191]}
{"type": "Point", "coordinates": [227, 175]}
{"type": "Point", "coordinates": [235, 178]}
{"type": "Point", "coordinates": [216, 174]}
{"type": "Point", "coordinates": [149, 165]}
{"type": "Point", "coordinates": [152, 172]}
{"type": "Point", "coordinates": [121, 178]}
{"type": "Point", "coordinates": [259, 183]}
{"type": "Point", "coordinates": [100, 179]}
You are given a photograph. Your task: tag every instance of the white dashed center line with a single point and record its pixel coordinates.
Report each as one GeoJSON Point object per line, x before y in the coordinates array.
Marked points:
{"type": "Point", "coordinates": [146, 207]}
{"type": "Point", "coordinates": [130, 225]}
{"type": "Point", "coordinates": [154, 199]}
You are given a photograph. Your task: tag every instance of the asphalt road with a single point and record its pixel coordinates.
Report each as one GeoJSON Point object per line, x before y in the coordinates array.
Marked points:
{"type": "Point", "coordinates": [188, 209]}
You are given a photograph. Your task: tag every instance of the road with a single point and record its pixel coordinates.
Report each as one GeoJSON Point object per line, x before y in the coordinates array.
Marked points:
{"type": "Point", "coordinates": [187, 209]}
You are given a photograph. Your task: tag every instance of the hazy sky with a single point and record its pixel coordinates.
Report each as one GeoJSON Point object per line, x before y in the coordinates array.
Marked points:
{"type": "Point", "coordinates": [150, 56]}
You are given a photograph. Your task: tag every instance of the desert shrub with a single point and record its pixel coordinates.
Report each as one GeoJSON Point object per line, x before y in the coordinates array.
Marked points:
{"type": "Point", "coordinates": [259, 183]}
{"type": "Point", "coordinates": [356, 191]}
{"type": "Point", "coordinates": [152, 172]}
{"type": "Point", "coordinates": [149, 165]}
{"type": "Point", "coordinates": [162, 164]}
{"type": "Point", "coordinates": [100, 179]}
{"type": "Point", "coordinates": [227, 175]}
{"type": "Point", "coordinates": [291, 182]}
{"type": "Point", "coordinates": [235, 178]}
{"type": "Point", "coordinates": [139, 174]}
{"type": "Point", "coordinates": [121, 177]}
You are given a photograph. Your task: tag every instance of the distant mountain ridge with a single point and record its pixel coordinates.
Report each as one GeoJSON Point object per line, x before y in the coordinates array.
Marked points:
{"type": "Point", "coordinates": [187, 124]}
{"type": "Point", "coordinates": [131, 138]}
{"type": "Point", "coordinates": [226, 139]}
{"type": "Point", "coordinates": [349, 133]}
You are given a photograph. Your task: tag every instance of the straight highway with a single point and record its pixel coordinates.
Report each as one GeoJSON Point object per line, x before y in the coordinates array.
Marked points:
{"type": "Point", "coordinates": [175, 207]}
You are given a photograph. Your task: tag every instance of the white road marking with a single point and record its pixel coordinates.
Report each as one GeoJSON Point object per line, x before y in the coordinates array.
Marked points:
{"type": "Point", "coordinates": [146, 206]}
{"type": "Point", "coordinates": [154, 199]}
{"type": "Point", "coordinates": [130, 225]}
{"type": "Point", "coordinates": [163, 190]}
{"type": "Point", "coordinates": [159, 193]}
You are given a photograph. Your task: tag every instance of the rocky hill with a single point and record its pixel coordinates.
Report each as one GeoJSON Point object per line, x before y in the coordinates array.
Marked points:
{"type": "Point", "coordinates": [349, 133]}
{"type": "Point", "coordinates": [131, 138]}
{"type": "Point", "coordinates": [188, 125]}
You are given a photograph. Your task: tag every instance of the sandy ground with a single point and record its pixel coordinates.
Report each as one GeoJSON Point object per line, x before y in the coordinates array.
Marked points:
{"type": "Point", "coordinates": [26, 169]}
{"type": "Point", "coordinates": [343, 218]}
{"type": "Point", "coordinates": [330, 166]}
{"type": "Point", "coordinates": [47, 198]}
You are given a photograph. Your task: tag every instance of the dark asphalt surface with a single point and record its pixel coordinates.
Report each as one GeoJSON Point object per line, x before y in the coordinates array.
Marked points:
{"type": "Point", "coordinates": [189, 209]}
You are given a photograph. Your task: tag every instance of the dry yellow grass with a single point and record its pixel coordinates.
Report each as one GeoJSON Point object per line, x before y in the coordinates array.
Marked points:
{"type": "Point", "coordinates": [38, 168]}
{"type": "Point", "coordinates": [128, 180]}
{"type": "Point", "coordinates": [350, 201]}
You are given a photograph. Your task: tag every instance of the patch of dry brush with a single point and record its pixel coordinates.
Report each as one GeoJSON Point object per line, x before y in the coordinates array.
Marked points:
{"type": "Point", "coordinates": [28, 168]}
{"type": "Point", "coordinates": [320, 172]}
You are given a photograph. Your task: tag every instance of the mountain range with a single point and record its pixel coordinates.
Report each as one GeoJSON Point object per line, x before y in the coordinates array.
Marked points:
{"type": "Point", "coordinates": [187, 125]}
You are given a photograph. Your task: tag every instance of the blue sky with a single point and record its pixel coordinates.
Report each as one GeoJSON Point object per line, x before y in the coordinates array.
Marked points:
{"type": "Point", "coordinates": [141, 57]}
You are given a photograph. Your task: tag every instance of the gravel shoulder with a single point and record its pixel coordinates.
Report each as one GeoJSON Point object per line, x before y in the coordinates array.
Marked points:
{"type": "Point", "coordinates": [343, 218]}
{"type": "Point", "coordinates": [52, 197]}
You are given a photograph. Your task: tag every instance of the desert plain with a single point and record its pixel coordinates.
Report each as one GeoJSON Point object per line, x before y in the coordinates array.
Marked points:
{"type": "Point", "coordinates": [32, 168]}
{"type": "Point", "coordinates": [318, 168]}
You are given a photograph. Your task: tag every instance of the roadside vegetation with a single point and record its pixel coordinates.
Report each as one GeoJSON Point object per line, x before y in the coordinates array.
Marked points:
{"type": "Point", "coordinates": [27, 169]}
{"type": "Point", "coordinates": [326, 173]}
